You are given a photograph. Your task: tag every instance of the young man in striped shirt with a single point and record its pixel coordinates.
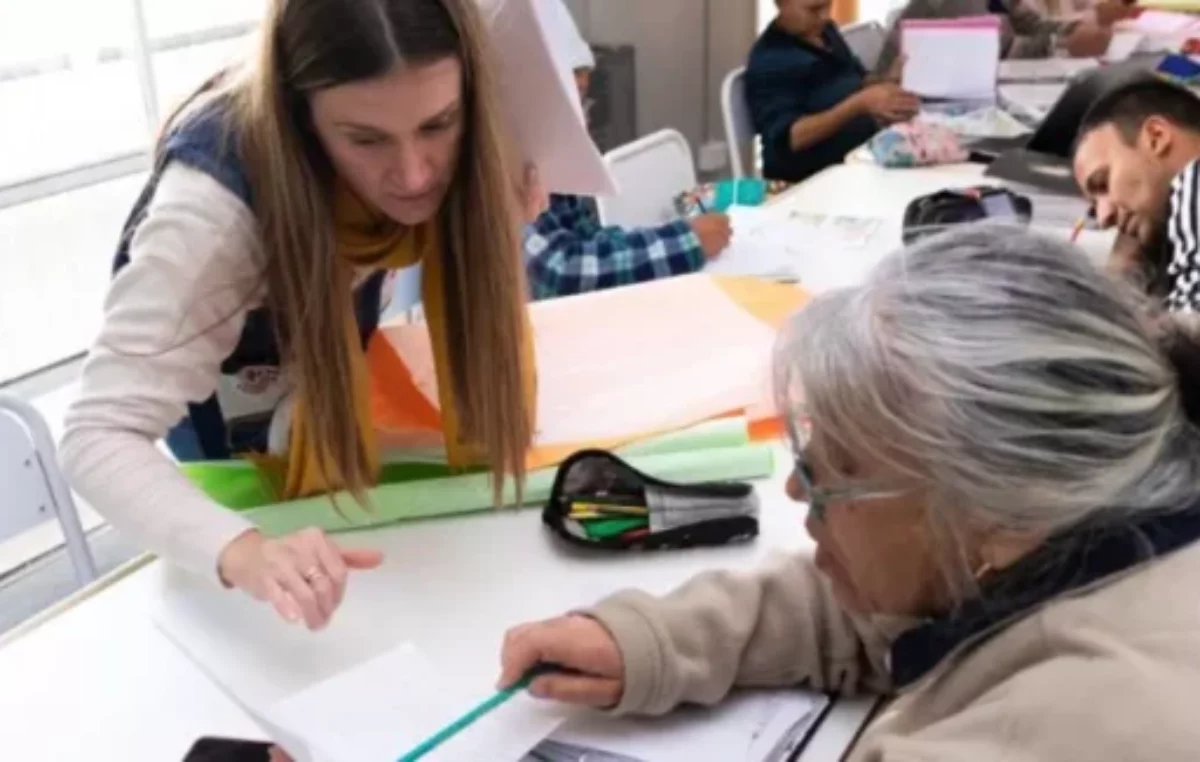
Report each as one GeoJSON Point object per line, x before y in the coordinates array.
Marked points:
{"type": "Point", "coordinates": [1136, 160]}
{"type": "Point", "coordinates": [568, 251]}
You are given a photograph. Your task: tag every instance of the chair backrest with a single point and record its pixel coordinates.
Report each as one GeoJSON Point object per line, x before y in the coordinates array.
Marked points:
{"type": "Point", "coordinates": [34, 488]}
{"type": "Point", "coordinates": [739, 128]}
{"type": "Point", "coordinates": [649, 172]}
{"type": "Point", "coordinates": [865, 40]}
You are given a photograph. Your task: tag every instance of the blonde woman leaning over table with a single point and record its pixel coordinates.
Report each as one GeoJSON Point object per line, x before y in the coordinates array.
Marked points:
{"type": "Point", "coordinates": [363, 136]}
{"type": "Point", "coordinates": [1004, 491]}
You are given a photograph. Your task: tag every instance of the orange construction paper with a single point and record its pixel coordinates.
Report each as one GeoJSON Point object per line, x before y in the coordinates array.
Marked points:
{"type": "Point", "coordinates": [591, 352]}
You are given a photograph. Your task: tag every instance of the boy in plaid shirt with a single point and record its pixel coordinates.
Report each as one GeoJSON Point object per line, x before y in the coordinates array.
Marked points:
{"type": "Point", "coordinates": [568, 251]}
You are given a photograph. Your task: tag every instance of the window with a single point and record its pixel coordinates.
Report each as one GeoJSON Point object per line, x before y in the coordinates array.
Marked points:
{"type": "Point", "coordinates": [83, 85]}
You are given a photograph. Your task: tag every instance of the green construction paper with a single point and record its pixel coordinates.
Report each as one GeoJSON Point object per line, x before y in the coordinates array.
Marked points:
{"type": "Point", "coordinates": [721, 432]}
{"type": "Point", "coordinates": [239, 485]}
{"type": "Point", "coordinates": [472, 493]}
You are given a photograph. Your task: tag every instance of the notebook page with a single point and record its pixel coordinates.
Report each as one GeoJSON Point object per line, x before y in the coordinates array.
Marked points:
{"type": "Point", "coordinates": [385, 707]}
{"type": "Point", "coordinates": [972, 44]}
{"type": "Point", "coordinates": [748, 726]}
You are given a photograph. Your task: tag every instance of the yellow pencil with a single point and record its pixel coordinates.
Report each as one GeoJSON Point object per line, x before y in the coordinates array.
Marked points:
{"type": "Point", "coordinates": [1078, 229]}
{"type": "Point", "coordinates": [607, 508]}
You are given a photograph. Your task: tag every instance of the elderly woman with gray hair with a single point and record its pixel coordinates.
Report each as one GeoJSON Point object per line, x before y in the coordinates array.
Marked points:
{"type": "Point", "coordinates": [1004, 490]}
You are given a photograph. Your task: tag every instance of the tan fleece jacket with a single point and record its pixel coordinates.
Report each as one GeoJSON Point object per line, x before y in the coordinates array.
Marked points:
{"type": "Point", "coordinates": [1110, 672]}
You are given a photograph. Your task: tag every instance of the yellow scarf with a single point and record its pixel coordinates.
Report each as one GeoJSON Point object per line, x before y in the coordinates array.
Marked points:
{"type": "Point", "coordinates": [365, 239]}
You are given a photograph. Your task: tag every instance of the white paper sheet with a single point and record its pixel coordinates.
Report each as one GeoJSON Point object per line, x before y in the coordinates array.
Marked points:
{"type": "Point", "coordinates": [1032, 100]}
{"type": "Point", "coordinates": [387, 706]}
{"type": "Point", "coordinates": [542, 103]}
{"type": "Point", "coordinates": [746, 727]}
{"type": "Point", "coordinates": [988, 122]}
{"type": "Point", "coordinates": [1162, 23]}
{"type": "Point", "coordinates": [758, 246]}
{"type": "Point", "coordinates": [1123, 45]}
{"type": "Point", "coordinates": [771, 243]}
{"type": "Point", "coordinates": [972, 44]}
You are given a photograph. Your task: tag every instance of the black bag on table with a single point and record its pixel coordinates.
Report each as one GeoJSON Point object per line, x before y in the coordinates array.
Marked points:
{"type": "Point", "coordinates": [937, 212]}
{"type": "Point", "coordinates": [657, 515]}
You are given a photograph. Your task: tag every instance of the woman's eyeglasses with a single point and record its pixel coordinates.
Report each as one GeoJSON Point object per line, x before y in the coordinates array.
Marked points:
{"type": "Point", "coordinates": [819, 497]}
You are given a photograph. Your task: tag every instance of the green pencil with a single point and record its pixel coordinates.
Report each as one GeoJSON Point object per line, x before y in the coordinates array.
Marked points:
{"type": "Point", "coordinates": [462, 723]}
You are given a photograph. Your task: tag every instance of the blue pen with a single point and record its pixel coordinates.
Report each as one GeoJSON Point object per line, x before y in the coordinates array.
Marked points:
{"type": "Point", "coordinates": [462, 723]}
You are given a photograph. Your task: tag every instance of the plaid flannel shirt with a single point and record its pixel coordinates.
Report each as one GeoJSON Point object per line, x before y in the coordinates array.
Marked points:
{"type": "Point", "coordinates": [568, 251]}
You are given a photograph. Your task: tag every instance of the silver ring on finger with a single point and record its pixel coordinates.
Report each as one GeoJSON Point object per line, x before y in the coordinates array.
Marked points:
{"type": "Point", "coordinates": [313, 575]}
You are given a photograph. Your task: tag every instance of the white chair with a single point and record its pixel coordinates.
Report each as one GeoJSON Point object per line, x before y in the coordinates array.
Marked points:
{"type": "Point", "coordinates": [649, 172]}
{"type": "Point", "coordinates": [739, 128]}
{"type": "Point", "coordinates": [34, 488]}
{"type": "Point", "coordinates": [865, 40]}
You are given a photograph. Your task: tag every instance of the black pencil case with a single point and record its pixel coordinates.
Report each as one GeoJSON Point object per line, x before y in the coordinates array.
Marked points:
{"type": "Point", "coordinates": [658, 515]}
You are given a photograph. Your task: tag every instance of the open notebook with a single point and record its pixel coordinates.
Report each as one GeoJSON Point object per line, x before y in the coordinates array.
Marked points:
{"type": "Point", "coordinates": [383, 708]}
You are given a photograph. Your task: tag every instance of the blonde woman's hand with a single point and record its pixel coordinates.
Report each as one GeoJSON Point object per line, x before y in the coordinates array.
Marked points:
{"type": "Point", "coordinates": [303, 574]}
{"type": "Point", "coordinates": [534, 199]}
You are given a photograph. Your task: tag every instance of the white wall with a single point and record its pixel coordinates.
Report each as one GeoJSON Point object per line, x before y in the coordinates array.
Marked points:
{"type": "Point", "coordinates": [671, 67]}
{"type": "Point", "coordinates": [868, 10]}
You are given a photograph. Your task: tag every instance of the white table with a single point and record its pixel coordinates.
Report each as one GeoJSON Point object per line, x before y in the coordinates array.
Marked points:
{"type": "Point", "coordinates": [867, 190]}
{"type": "Point", "coordinates": [101, 682]}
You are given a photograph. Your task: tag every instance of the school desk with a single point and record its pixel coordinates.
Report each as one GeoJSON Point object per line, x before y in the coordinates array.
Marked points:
{"type": "Point", "coordinates": [97, 680]}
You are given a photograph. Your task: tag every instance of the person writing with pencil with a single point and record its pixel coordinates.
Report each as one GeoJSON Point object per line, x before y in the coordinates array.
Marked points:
{"type": "Point", "coordinates": [1136, 160]}
{"type": "Point", "coordinates": [568, 251]}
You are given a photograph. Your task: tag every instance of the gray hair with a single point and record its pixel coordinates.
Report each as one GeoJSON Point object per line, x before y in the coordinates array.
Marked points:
{"type": "Point", "coordinates": [1002, 370]}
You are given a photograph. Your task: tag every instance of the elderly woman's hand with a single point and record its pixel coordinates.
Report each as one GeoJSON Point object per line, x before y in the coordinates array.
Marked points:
{"type": "Point", "coordinates": [593, 668]}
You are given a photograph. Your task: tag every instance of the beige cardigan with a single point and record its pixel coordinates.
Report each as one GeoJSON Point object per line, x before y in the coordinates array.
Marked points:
{"type": "Point", "coordinates": [1106, 672]}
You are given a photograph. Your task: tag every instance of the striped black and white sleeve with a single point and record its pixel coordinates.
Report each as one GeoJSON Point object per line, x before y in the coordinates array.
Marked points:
{"type": "Point", "coordinates": [1183, 229]}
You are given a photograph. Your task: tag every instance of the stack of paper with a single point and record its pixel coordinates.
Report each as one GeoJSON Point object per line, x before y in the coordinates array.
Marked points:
{"type": "Point", "coordinates": [955, 59]}
{"type": "Point", "coordinates": [613, 367]}
{"type": "Point", "coordinates": [761, 726]}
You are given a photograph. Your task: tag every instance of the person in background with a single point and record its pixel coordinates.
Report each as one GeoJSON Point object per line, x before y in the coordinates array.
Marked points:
{"type": "Point", "coordinates": [568, 251]}
{"type": "Point", "coordinates": [810, 98]}
{"type": "Point", "coordinates": [363, 136]}
{"type": "Point", "coordinates": [1003, 486]}
{"type": "Point", "coordinates": [1136, 160]}
{"type": "Point", "coordinates": [1025, 32]}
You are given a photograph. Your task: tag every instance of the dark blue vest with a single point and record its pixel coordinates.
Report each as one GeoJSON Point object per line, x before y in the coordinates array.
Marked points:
{"type": "Point", "coordinates": [205, 142]}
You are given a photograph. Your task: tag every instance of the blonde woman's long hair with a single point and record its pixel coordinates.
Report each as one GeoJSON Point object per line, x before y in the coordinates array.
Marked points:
{"type": "Point", "coordinates": [308, 45]}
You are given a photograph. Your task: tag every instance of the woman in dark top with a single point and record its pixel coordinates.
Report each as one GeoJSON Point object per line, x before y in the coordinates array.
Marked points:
{"type": "Point", "coordinates": [810, 97]}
